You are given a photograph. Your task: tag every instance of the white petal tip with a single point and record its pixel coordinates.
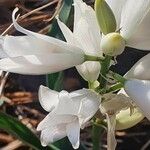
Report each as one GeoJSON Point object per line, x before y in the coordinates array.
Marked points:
{"type": "Point", "coordinates": [43, 144]}
{"type": "Point", "coordinates": [76, 146]}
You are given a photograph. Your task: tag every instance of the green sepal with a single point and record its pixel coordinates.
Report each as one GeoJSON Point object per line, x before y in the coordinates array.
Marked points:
{"type": "Point", "coordinates": [105, 17]}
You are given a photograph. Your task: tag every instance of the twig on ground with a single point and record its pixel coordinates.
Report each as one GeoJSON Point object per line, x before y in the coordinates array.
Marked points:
{"type": "Point", "coordinates": [13, 145]}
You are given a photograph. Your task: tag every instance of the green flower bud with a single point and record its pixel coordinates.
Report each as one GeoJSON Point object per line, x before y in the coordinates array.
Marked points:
{"type": "Point", "coordinates": [105, 17]}
{"type": "Point", "coordinates": [124, 120]}
{"type": "Point", "coordinates": [112, 44]}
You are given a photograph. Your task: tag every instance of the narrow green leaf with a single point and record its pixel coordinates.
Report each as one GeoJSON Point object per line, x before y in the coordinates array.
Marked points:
{"type": "Point", "coordinates": [20, 131]}
{"type": "Point", "coordinates": [54, 81]}
{"type": "Point", "coordinates": [64, 16]}
{"type": "Point", "coordinates": [105, 17]}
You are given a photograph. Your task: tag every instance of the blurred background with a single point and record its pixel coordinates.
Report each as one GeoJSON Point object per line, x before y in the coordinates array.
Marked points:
{"type": "Point", "coordinates": [21, 90]}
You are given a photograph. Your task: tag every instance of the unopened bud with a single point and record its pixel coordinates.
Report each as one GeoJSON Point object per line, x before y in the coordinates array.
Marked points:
{"type": "Point", "coordinates": [112, 44]}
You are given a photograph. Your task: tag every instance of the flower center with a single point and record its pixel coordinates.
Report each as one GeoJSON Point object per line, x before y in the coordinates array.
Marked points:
{"type": "Point", "coordinates": [112, 44]}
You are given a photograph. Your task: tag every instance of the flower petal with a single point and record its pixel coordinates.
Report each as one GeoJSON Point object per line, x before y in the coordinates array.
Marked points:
{"type": "Point", "coordinates": [73, 133]}
{"type": "Point", "coordinates": [86, 28]}
{"type": "Point", "coordinates": [139, 91]}
{"type": "Point", "coordinates": [141, 69]}
{"type": "Point", "coordinates": [130, 22]}
{"type": "Point", "coordinates": [67, 33]}
{"type": "Point", "coordinates": [67, 105]}
{"type": "Point", "coordinates": [89, 106]}
{"type": "Point", "coordinates": [48, 98]}
{"type": "Point", "coordinates": [53, 119]}
{"type": "Point", "coordinates": [59, 45]}
{"type": "Point", "coordinates": [52, 134]}
{"type": "Point", "coordinates": [40, 64]}
{"type": "Point", "coordinates": [88, 37]}
{"type": "Point", "coordinates": [82, 10]}
{"type": "Point", "coordinates": [28, 45]}
{"type": "Point", "coordinates": [141, 38]}
{"type": "Point", "coordinates": [89, 70]}
{"type": "Point", "coordinates": [111, 121]}
{"type": "Point", "coordinates": [117, 9]}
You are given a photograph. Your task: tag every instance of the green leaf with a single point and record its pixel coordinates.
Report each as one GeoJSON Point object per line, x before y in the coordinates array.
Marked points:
{"type": "Point", "coordinates": [105, 17]}
{"type": "Point", "coordinates": [20, 131]}
{"type": "Point", "coordinates": [54, 81]}
{"type": "Point", "coordinates": [64, 16]}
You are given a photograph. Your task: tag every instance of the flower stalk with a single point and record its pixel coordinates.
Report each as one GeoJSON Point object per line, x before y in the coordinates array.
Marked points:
{"type": "Point", "coordinates": [93, 58]}
{"type": "Point", "coordinates": [104, 70]}
{"type": "Point", "coordinates": [97, 132]}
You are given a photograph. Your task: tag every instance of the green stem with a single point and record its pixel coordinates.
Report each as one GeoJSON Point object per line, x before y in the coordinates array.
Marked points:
{"type": "Point", "coordinates": [115, 87]}
{"type": "Point", "coordinates": [104, 70]}
{"type": "Point", "coordinates": [93, 58]}
{"type": "Point", "coordinates": [97, 132]}
{"type": "Point", "coordinates": [118, 77]}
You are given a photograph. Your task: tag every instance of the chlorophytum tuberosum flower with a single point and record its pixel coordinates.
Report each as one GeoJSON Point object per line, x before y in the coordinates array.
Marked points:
{"type": "Point", "coordinates": [68, 113]}
{"type": "Point", "coordinates": [86, 34]}
{"type": "Point", "coordinates": [39, 54]}
{"type": "Point", "coordinates": [127, 28]}
{"type": "Point", "coordinates": [138, 85]}
{"type": "Point", "coordinates": [124, 111]}
{"type": "Point", "coordinates": [140, 71]}
{"type": "Point", "coordinates": [112, 104]}
{"type": "Point", "coordinates": [139, 91]}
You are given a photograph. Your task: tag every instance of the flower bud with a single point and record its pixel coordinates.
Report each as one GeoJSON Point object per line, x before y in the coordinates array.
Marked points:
{"type": "Point", "coordinates": [125, 119]}
{"type": "Point", "coordinates": [105, 17]}
{"type": "Point", "coordinates": [112, 44]}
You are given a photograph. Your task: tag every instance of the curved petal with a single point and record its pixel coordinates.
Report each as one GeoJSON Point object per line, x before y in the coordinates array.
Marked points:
{"type": "Point", "coordinates": [141, 38]}
{"type": "Point", "coordinates": [88, 37]}
{"type": "Point", "coordinates": [139, 91]}
{"type": "Point", "coordinates": [67, 105]}
{"type": "Point", "coordinates": [28, 45]}
{"type": "Point", "coordinates": [73, 133]}
{"type": "Point", "coordinates": [67, 33]}
{"type": "Point", "coordinates": [130, 22]}
{"type": "Point", "coordinates": [63, 46]}
{"type": "Point", "coordinates": [89, 106]}
{"type": "Point", "coordinates": [40, 64]}
{"type": "Point", "coordinates": [48, 98]}
{"type": "Point", "coordinates": [116, 7]}
{"type": "Point", "coordinates": [53, 119]}
{"type": "Point", "coordinates": [52, 134]}
{"type": "Point", "coordinates": [141, 70]}
{"type": "Point", "coordinates": [82, 10]}
{"type": "Point", "coordinates": [111, 140]}
{"type": "Point", "coordinates": [89, 70]}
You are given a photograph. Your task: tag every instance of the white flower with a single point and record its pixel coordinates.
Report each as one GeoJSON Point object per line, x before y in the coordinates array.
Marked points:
{"type": "Point", "coordinates": [111, 105]}
{"type": "Point", "coordinates": [139, 91]}
{"type": "Point", "coordinates": [128, 117]}
{"type": "Point", "coordinates": [86, 35]}
{"type": "Point", "coordinates": [141, 69]}
{"type": "Point", "coordinates": [69, 113]}
{"type": "Point", "coordinates": [37, 54]}
{"type": "Point", "coordinates": [133, 25]}
{"type": "Point", "coordinates": [40, 54]}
